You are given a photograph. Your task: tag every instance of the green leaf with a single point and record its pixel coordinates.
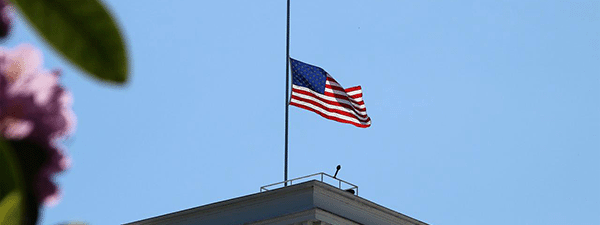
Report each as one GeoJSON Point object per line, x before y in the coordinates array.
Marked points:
{"type": "Point", "coordinates": [82, 31]}
{"type": "Point", "coordinates": [11, 190]}
{"type": "Point", "coordinates": [10, 209]}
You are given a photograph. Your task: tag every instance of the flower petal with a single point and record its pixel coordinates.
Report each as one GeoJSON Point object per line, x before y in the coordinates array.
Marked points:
{"type": "Point", "coordinates": [16, 129]}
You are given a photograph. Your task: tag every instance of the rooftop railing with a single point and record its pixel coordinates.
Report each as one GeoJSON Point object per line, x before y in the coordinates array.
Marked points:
{"type": "Point", "coordinates": [325, 178]}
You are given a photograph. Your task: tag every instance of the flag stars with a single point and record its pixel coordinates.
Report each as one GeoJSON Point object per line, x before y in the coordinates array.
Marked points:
{"type": "Point", "coordinates": [308, 76]}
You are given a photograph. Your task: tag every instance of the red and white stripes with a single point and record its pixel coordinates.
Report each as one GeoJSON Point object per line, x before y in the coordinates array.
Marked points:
{"type": "Point", "coordinates": [337, 103]}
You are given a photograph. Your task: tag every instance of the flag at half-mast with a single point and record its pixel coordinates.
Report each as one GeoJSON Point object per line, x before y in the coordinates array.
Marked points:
{"type": "Point", "coordinates": [315, 90]}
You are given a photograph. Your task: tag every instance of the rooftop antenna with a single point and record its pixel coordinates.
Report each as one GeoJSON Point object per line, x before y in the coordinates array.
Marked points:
{"type": "Point", "coordinates": [338, 169]}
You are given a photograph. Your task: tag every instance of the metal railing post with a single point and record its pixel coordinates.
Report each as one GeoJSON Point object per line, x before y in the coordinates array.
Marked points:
{"type": "Point", "coordinates": [291, 181]}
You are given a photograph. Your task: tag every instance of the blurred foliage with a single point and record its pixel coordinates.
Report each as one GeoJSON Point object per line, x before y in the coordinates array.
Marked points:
{"type": "Point", "coordinates": [83, 32]}
{"type": "Point", "coordinates": [12, 188]}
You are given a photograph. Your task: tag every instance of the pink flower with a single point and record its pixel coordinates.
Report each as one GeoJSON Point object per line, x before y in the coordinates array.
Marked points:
{"type": "Point", "coordinates": [35, 108]}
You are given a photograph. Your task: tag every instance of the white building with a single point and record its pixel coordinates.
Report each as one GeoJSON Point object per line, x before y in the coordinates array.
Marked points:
{"type": "Point", "coordinates": [309, 203]}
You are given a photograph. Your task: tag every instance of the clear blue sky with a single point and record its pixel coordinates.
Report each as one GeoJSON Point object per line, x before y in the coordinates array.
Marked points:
{"type": "Point", "coordinates": [483, 112]}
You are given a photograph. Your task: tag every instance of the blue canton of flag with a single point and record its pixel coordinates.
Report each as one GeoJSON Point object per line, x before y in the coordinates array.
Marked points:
{"type": "Point", "coordinates": [309, 76]}
{"type": "Point", "coordinates": [315, 90]}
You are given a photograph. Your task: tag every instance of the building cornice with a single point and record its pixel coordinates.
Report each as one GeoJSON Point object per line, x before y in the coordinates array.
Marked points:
{"type": "Point", "coordinates": [281, 202]}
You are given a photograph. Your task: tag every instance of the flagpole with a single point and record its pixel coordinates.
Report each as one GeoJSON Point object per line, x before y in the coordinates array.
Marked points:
{"type": "Point", "coordinates": [287, 82]}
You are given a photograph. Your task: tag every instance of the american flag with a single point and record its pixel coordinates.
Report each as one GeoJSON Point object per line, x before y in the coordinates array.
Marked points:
{"type": "Point", "coordinates": [315, 90]}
